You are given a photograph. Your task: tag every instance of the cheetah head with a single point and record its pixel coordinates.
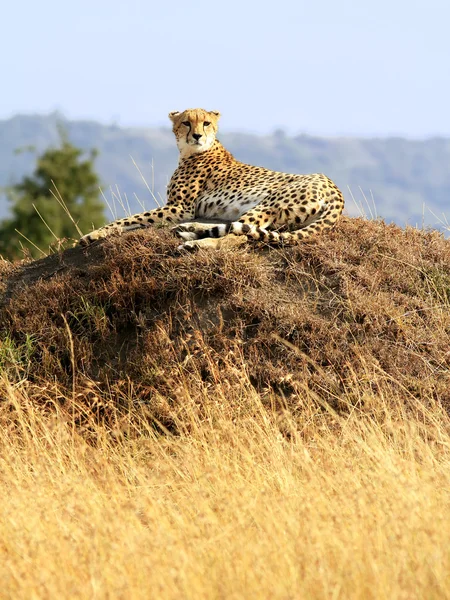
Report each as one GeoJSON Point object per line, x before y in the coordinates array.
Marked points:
{"type": "Point", "coordinates": [195, 130]}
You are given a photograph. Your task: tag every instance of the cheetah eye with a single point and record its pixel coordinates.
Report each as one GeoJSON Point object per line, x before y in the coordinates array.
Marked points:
{"type": "Point", "coordinates": [206, 123]}
{"type": "Point", "coordinates": [186, 123]}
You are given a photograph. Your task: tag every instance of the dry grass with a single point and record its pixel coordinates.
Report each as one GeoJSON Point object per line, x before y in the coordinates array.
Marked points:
{"type": "Point", "coordinates": [340, 508]}
{"type": "Point", "coordinates": [243, 424]}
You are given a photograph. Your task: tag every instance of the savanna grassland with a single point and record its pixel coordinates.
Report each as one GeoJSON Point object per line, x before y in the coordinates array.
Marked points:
{"type": "Point", "coordinates": [245, 423]}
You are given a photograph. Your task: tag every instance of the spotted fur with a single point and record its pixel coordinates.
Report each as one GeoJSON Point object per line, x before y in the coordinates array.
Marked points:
{"type": "Point", "coordinates": [210, 184]}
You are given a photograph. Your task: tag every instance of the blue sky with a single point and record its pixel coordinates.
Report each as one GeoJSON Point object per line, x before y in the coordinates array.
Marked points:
{"type": "Point", "coordinates": [325, 67]}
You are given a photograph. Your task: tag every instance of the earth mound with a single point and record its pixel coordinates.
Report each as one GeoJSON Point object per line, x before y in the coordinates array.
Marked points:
{"type": "Point", "coordinates": [347, 320]}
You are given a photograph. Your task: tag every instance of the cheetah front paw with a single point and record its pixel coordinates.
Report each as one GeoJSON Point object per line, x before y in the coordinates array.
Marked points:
{"type": "Point", "coordinates": [186, 235]}
{"type": "Point", "coordinates": [190, 231]}
{"type": "Point", "coordinates": [227, 242]}
{"type": "Point", "coordinates": [194, 229]}
{"type": "Point", "coordinates": [89, 238]}
{"type": "Point", "coordinates": [195, 244]}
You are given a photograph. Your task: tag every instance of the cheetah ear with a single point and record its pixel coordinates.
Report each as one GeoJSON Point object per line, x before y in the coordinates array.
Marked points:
{"type": "Point", "coordinates": [216, 113]}
{"type": "Point", "coordinates": [173, 115]}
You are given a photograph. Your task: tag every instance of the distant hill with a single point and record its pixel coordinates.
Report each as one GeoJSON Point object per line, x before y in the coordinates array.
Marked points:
{"type": "Point", "coordinates": [402, 176]}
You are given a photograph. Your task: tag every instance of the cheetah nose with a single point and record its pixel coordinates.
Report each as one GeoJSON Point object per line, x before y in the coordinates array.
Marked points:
{"type": "Point", "coordinates": [196, 136]}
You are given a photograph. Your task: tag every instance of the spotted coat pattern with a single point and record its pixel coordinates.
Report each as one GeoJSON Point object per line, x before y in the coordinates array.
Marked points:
{"type": "Point", "coordinates": [211, 185]}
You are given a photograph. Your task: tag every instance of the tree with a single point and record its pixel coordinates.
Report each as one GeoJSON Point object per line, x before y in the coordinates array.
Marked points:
{"type": "Point", "coordinates": [63, 191]}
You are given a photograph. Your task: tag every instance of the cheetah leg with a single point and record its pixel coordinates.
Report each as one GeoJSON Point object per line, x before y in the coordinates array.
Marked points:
{"type": "Point", "coordinates": [195, 229]}
{"type": "Point", "coordinates": [323, 218]}
{"type": "Point", "coordinates": [226, 242]}
{"type": "Point", "coordinates": [319, 216]}
{"type": "Point", "coordinates": [165, 215]}
{"type": "Point", "coordinates": [259, 214]}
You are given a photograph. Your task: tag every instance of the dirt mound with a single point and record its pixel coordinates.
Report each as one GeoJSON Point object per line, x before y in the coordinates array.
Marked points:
{"type": "Point", "coordinates": [342, 319]}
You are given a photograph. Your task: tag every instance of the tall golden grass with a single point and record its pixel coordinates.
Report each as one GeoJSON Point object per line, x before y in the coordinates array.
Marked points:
{"type": "Point", "coordinates": [241, 503]}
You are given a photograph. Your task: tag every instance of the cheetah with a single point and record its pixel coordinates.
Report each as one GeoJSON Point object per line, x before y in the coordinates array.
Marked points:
{"type": "Point", "coordinates": [212, 195]}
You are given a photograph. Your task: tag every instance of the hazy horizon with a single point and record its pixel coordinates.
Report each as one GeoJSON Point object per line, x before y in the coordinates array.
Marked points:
{"type": "Point", "coordinates": [223, 128]}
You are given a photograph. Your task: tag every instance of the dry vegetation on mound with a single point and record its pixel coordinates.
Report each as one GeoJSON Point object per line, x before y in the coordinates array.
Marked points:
{"type": "Point", "coordinates": [249, 423]}
{"type": "Point", "coordinates": [335, 321]}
